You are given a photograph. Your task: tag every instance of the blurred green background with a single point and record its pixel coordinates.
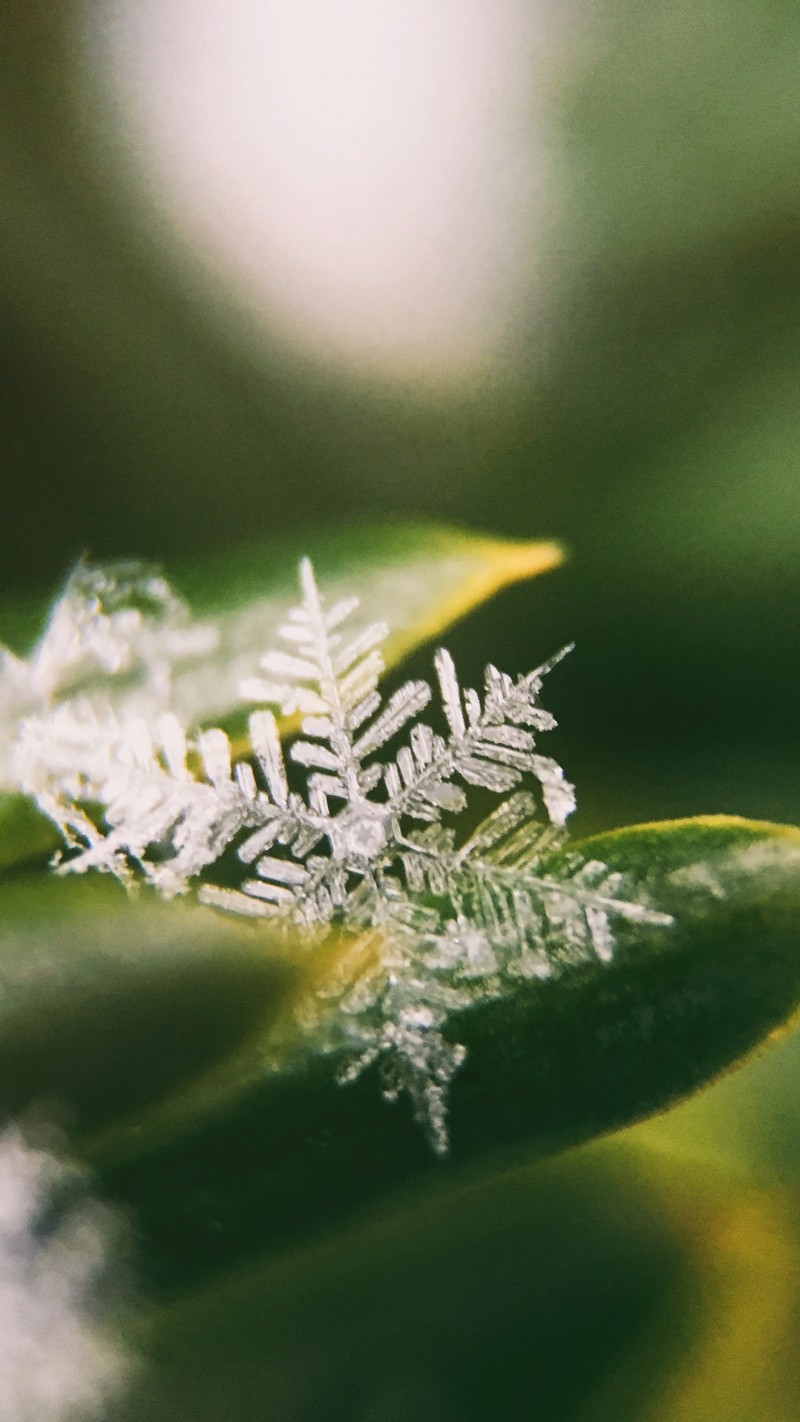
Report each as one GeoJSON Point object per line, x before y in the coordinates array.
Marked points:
{"type": "Point", "coordinates": [638, 398]}
{"type": "Point", "coordinates": [641, 405]}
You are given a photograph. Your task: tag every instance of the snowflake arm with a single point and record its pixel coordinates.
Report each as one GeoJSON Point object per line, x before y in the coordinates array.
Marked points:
{"type": "Point", "coordinates": [334, 687]}
{"type": "Point", "coordinates": [491, 745]}
{"type": "Point", "coordinates": [503, 887]}
{"type": "Point", "coordinates": [148, 797]}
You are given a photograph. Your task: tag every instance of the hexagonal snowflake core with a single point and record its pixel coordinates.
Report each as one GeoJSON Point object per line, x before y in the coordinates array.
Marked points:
{"type": "Point", "coordinates": [358, 833]}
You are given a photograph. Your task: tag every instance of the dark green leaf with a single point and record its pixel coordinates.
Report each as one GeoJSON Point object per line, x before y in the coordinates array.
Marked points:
{"type": "Point", "coordinates": [25, 834]}
{"type": "Point", "coordinates": [108, 1005]}
{"type": "Point", "coordinates": [552, 1064]}
{"type": "Point", "coordinates": [145, 1027]}
{"type": "Point", "coordinates": [613, 1283]}
{"type": "Point", "coordinates": [463, 1306]}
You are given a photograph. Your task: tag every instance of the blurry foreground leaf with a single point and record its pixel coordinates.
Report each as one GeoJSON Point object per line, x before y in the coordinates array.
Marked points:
{"type": "Point", "coordinates": [613, 1283]}
{"type": "Point", "coordinates": [108, 1005]}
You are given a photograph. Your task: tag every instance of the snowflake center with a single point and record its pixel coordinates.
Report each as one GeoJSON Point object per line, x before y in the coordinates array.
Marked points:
{"type": "Point", "coordinates": [358, 834]}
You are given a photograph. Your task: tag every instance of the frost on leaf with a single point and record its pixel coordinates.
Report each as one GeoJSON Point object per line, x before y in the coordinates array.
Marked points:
{"type": "Point", "coordinates": [119, 628]}
{"type": "Point", "coordinates": [358, 831]}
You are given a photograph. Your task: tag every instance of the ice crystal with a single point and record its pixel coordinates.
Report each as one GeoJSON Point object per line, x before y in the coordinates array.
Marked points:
{"type": "Point", "coordinates": [119, 625]}
{"type": "Point", "coordinates": [123, 618]}
{"type": "Point", "coordinates": [369, 846]}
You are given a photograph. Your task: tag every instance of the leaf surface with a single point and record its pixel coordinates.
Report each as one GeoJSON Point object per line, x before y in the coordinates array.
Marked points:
{"type": "Point", "coordinates": [418, 579]}
{"type": "Point", "coordinates": [107, 1005]}
{"type": "Point", "coordinates": [25, 834]}
{"type": "Point", "coordinates": [613, 1282]}
{"type": "Point", "coordinates": [224, 1155]}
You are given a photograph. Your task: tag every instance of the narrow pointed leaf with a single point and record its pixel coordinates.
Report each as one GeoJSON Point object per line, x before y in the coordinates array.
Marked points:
{"type": "Point", "coordinates": [417, 579]}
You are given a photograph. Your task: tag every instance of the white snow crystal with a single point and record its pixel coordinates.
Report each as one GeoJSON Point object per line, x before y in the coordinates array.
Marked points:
{"type": "Point", "coordinates": [120, 625]}
{"type": "Point", "coordinates": [369, 846]}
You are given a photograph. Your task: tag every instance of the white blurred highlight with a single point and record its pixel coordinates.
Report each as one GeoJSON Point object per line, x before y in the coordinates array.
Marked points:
{"type": "Point", "coordinates": [372, 173]}
{"type": "Point", "coordinates": [57, 1364]}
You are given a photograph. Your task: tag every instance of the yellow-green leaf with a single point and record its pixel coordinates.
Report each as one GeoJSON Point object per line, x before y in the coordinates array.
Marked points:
{"type": "Point", "coordinates": [418, 579]}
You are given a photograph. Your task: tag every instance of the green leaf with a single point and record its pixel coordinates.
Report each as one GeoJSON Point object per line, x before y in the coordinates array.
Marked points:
{"type": "Point", "coordinates": [148, 1027]}
{"type": "Point", "coordinates": [675, 1008]}
{"type": "Point", "coordinates": [25, 834]}
{"type": "Point", "coordinates": [107, 1005]}
{"type": "Point", "coordinates": [615, 1282]}
{"type": "Point", "coordinates": [552, 1064]}
{"type": "Point", "coordinates": [396, 1299]}
{"type": "Point", "coordinates": [418, 579]}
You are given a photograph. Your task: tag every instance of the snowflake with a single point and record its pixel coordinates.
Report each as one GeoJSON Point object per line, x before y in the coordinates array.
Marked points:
{"type": "Point", "coordinates": [366, 847]}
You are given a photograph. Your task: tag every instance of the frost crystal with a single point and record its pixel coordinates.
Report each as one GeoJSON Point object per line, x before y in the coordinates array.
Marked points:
{"type": "Point", "coordinates": [366, 847]}
{"type": "Point", "coordinates": [121, 622]}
